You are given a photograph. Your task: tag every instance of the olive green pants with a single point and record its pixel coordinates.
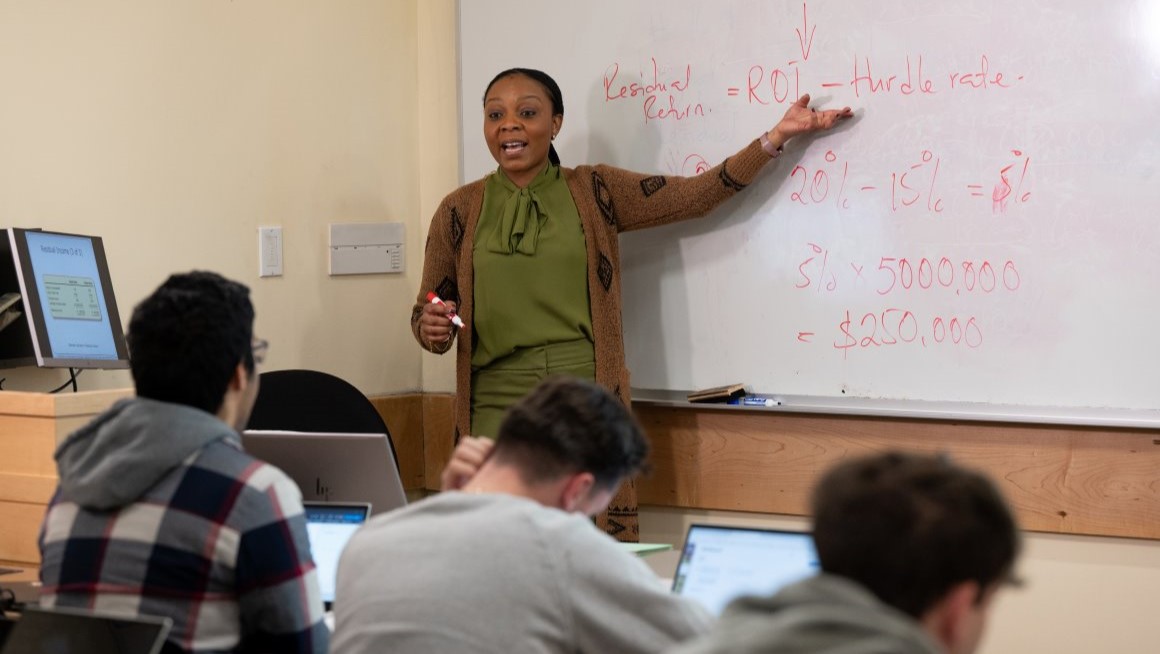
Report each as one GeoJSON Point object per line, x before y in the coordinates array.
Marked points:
{"type": "Point", "coordinates": [505, 381]}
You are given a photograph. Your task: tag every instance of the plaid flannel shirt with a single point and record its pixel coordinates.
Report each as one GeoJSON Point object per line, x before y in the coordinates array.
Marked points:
{"type": "Point", "coordinates": [219, 545]}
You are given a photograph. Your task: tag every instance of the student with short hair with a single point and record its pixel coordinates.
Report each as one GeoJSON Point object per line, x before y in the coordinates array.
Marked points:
{"type": "Point", "coordinates": [512, 562]}
{"type": "Point", "coordinates": [913, 549]}
{"type": "Point", "coordinates": [160, 512]}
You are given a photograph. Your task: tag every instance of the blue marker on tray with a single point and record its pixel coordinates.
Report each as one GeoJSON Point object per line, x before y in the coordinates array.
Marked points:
{"type": "Point", "coordinates": [755, 400]}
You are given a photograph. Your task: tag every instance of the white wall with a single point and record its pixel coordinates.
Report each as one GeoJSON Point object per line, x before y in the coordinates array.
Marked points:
{"type": "Point", "coordinates": [174, 129]}
{"type": "Point", "coordinates": [1081, 594]}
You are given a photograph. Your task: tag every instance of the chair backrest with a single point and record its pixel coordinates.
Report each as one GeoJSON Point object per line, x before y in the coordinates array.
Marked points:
{"type": "Point", "coordinates": [314, 401]}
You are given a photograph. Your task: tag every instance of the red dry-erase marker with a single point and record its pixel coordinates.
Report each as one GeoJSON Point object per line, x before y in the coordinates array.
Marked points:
{"type": "Point", "coordinates": [455, 319]}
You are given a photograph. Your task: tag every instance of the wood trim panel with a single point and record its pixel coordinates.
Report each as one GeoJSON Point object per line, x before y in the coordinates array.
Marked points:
{"type": "Point", "coordinates": [438, 434]}
{"type": "Point", "coordinates": [21, 527]}
{"type": "Point", "coordinates": [48, 405]}
{"type": "Point", "coordinates": [423, 430]}
{"type": "Point", "coordinates": [28, 446]}
{"type": "Point", "coordinates": [404, 417]}
{"type": "Point", "coordinates": [27, 489]}
{"type": "Point", "coordinates": [1070, 480]}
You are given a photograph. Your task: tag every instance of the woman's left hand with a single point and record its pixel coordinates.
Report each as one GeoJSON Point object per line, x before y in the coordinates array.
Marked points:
{"type": "Point", "coordinates": [801, 119]}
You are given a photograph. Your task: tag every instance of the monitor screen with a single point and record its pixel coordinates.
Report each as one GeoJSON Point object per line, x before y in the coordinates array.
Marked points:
{"type": "Point", "coordinates": [66, 297]}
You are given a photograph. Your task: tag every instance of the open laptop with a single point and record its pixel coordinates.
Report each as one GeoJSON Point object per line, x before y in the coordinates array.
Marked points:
{"type": "Point", "coordinates": [73, 630]}
{"type": "Point", "coordinates": [719, 564]}
{"type": "Point", "coordinates": [329, 525]}
{"type": "Point", "coordinates": [331, 467]}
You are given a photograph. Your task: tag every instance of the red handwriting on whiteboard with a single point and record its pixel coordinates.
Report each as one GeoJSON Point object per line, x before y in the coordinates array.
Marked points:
{"type": "Point", "coordinates": [613, 90]}
{"type": "Point", "coordinates": [694, 164]}
{"type": "Point", "coordinates": [913, 187]}
{"type": "Point", "coordinates": [1003, 191]}
{"type": "Point", "coordinates": [980, 78]}
{"type": "Point", "coordinates": [673, 109]}
{"type": "Point", "coordinates": [910, 186]}
{"type": "Point", "coordinates": [777, 86]}
{"type": "Point", "coordinates": [819, 184]}
{"type": "Point", "coordinates": [917, 79]}
{"type": "Point", "coordinates": [806, 34]}
{"type": "Point", "coordinates": [661, 94]}
{"type": "Point", "coordinates": [1006, 190]}
{"type": "Point", "coordinates": [807, 280]}
{"type": "Point", "coordinates": [895, 326]}
{"type": "Point", "coordinates": [914, 81]}
{"type": "Point", "coordinates": [924, 274]}
{"type": "Point", "coordinates": [824, 271]}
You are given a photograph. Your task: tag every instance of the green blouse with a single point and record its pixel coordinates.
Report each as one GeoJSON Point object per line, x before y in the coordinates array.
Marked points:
{"type": "Point", "coordinates": [531, 268]}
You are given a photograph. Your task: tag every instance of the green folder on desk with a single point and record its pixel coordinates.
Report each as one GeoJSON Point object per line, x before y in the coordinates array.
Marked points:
{"type": "Point", "coordinates": [644, 549]}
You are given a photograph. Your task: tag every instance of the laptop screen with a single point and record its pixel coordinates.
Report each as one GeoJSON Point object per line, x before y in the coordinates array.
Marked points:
{"type": "Point", "coordinates": [329, 527]}
{"type": "Point", "coordinates": [719, 564]}
{"type": "Point", "coordinates": [72, 630]}
{"type": "Point", "coordinates": [332, 467]}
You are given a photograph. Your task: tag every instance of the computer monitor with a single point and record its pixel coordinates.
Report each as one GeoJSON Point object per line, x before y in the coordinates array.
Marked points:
{"type": "Point", "coordinates": [67, 312]}
{"type": "Point", "coordinates": [333, 467]}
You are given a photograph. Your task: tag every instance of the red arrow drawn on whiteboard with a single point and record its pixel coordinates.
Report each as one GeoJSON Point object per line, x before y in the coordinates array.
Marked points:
{"type": "Point", "coordinates": [805, 44]}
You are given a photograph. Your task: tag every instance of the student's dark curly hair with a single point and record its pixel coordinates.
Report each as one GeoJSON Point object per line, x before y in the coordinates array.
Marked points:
{"type": "Point", "coordinates": [187, 338]}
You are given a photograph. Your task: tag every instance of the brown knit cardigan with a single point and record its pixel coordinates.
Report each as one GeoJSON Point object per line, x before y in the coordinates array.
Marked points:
{"type": "Point", "coordinates": [609, 201]}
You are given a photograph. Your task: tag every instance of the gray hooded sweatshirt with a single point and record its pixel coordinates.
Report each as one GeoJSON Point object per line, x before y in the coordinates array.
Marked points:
{"type": "Point", "coordinates": [116, 458]}
{"type": "Point", "coordinates": [825, 614]}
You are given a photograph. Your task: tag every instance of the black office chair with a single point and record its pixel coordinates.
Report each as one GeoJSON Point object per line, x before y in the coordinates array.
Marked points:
{"type": "Point", "coordinates": [314, 401]}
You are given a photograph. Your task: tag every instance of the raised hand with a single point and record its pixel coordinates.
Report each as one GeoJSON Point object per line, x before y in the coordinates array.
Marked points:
{"type": "Point", "coordinates": [801, 119]}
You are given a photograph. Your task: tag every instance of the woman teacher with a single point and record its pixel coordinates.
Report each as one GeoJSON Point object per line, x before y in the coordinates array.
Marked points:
{"type": "Point", "coordinates": [528, 257]}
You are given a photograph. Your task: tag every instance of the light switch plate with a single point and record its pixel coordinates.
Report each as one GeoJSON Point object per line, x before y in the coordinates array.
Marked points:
{"type": "Point", "coordinates": [269, 251]}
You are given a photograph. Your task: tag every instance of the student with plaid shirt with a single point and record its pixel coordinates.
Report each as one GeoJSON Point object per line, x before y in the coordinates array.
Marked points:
{"type": "Point", "coordinates": [160, 512]}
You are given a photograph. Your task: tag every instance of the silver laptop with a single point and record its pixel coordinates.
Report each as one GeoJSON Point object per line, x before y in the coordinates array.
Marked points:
{"type": "Point", "coordinates": [333, 467]}
{"type": "Point", "coordinates": [73, 630]}
{"type": "Point", "coordinates": [719, 564]}
{"type": "Point", "coordinates": [329, 525]}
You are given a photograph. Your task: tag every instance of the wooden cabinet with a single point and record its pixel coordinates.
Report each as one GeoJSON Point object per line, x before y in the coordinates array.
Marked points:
{"type": "Point", "coordinates": [31, 426]}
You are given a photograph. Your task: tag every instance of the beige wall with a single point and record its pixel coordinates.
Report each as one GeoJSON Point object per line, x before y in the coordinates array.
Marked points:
{"type": "Point", "coordinates": [175, 129]}
{"type": "Point", "coordinates": [439, 154]}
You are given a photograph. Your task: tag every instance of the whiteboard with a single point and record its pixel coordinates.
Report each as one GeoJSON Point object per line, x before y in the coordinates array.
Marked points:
{"type": "Point", "coordinates": [987, 230]}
